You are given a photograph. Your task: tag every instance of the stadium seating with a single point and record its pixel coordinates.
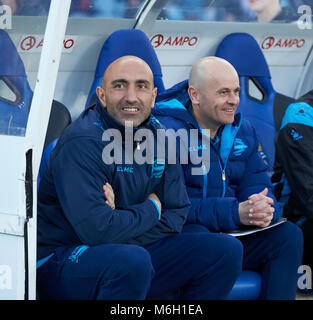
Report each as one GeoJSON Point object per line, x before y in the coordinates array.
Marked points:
{"type": "Point", "coordinates": [266, 110]}
{"type": "Point", "coordinates": [14, 111]}
{"type": "Point", "coordinates": [121, 43]}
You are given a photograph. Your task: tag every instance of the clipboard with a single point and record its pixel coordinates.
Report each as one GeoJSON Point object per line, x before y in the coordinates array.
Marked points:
{"type": "Point", "coordinates": [246, 230]}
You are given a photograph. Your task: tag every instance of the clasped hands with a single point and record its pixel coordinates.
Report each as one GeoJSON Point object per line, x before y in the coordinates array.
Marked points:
{"type": "Point", "coordinates": [257, 210]}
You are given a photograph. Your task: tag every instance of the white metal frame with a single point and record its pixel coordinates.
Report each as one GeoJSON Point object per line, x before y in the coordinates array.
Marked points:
{"type": "Point", "coordinates": [148, 14]}
{"type": "Point", "coordinates": [13, 217]}
{"type": "Point", "coordinates": [40, 111]}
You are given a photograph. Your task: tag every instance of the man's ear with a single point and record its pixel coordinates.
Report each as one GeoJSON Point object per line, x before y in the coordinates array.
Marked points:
{"type": "Point", "coordinates": [101, 95]}
{"type": "Point", "coordinates": [154, 94]}
{"type": "Point", "coordinates": [193, 94]}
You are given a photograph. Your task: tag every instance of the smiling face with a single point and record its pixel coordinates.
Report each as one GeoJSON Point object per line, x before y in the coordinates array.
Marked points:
{"type": "Point", "coordinates": [216, 97]}
{"type": "Point", "coordinates": [127, 90]}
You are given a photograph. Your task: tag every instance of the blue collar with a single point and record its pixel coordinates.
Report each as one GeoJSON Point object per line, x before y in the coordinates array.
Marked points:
{"type": "Point", "coordinates": [228, 135]}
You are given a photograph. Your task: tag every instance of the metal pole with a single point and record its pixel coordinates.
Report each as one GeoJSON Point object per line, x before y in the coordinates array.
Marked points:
{"type": "Point", "coordinates": [40, 112]}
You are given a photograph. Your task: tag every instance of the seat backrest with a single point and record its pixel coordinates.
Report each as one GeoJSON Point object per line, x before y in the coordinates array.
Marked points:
{"type": "Point", "coordinates": [266, 111]}
{"type": "Point", "coordinates": [59, 119]}
{"type": "Point", "coordinates": [121, 43]}
{"type": "Point", "coordinates": [13, 80]}
{"type": "Point", "coordinates": [14, 112]}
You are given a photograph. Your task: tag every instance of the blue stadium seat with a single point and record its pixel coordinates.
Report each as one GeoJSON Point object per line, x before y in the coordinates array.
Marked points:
{"type": "Point", "coordinates": [244, 53]}
{"type": "Point", "coordinates": [121, 43]}
{"type": "Point", "coordinates": [264, 112]}
{"type": "Point", "coordinates": [14, 112]}
{"type": "Point", "coordinates": [59, 119]}
{"type": "Point", "coordinates": [247, 286]}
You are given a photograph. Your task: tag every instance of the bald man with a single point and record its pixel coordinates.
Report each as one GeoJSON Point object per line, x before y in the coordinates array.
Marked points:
{"type": "Point", "coordinates": [235, 190]}
{"type": "Point", "coordinates": [123, 240]}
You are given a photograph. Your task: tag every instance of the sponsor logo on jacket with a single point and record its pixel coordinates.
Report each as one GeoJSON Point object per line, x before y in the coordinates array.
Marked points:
{"type": "Point", "coordinates": [158, 167]}
{"type": "Point", "coordinates": [239, 147]}
{"type": "Point", "coordinates": [295, 135]}
{"type": "Point", "coordinates": [124, 169]}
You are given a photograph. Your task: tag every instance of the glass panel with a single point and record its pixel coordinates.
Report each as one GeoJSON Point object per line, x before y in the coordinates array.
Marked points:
{"type": "Point", "coordinates": [79, 8]}
{"type": "Point", "coordinates": [28, 7]}
{"type": "Point", "coordinates": [21, 39]}
{"type": "Point", "coordinates": [254, 91]}
{"type": "Point", "coordinates": [106, 8]}
{"type": "Point", "coordinates": [234, 10]}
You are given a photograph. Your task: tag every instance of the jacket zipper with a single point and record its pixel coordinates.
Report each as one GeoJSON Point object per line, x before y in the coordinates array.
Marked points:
{"type": "Point", "coordinates": [223, 176]}
{"type": "Point", "coordinates": [224, 182]}
{"type": "Point", "coordinates": [140, 176]}
{"type": "Point", "coordinates": [205, 180]}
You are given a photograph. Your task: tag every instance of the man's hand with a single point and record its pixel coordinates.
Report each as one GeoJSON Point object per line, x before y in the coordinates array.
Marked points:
{"type": "Point", "coordinates": [257, 210]}
{"type": "Point", "coordinates": [109, 194]}
{"type": "Point", "coordinates": [154, 197]}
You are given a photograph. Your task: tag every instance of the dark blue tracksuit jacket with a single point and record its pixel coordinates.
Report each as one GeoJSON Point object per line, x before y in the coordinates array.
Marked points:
{"type": "Point", "coordinates": [71, 203]}
{"type": "Point", "coordinates": [236, 167]}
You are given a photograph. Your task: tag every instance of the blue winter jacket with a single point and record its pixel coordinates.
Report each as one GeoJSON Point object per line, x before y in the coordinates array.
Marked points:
{"type": "Point", "coordinates": [71, 203]}
{"type": "Point", "coordinates": [236, 167]}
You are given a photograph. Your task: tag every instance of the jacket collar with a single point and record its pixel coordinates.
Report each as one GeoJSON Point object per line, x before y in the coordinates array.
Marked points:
{"type": "Point", "coordinates": [175, 109]}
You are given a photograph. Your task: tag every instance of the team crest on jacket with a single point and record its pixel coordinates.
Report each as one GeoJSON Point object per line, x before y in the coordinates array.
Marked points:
{"type": "Point", "coordinates": [158, 167]}
{"type": "Point", "coordinates": [295, 135]}
{"type": "Point", "coordinates": [239, 147]}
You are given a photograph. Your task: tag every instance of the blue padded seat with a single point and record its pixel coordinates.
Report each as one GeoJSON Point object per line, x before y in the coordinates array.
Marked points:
{"type": "Point", "coordinates": [247, 286]}
{"type": "Point", "coordinates": [13, 113]}
{"type": "Point", "coordinates": [244, 53]}
{"type": "Point", "coordinates": [59, 119]}
{"type": "Point", "coordinates": [265, 113]}
{"type": "Point", "coordinates": [121, 43]}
